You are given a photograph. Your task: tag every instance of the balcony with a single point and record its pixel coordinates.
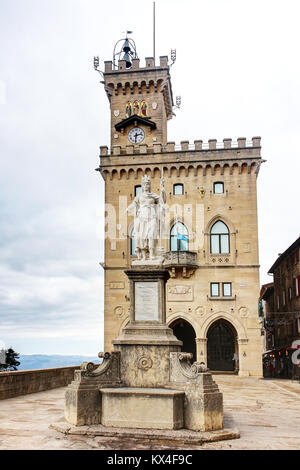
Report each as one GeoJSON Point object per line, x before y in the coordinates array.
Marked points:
{"type": "Point", "coordinates": [181, 261]}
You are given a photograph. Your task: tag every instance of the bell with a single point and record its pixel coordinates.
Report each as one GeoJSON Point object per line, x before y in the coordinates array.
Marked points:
{"type": "Point", "coordinates": [128, 60]}
{"type": "Point", "coordinates": [126, 46]}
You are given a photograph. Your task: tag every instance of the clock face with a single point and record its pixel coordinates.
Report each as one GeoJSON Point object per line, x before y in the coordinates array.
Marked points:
{"type": "Point", "coordinates": [136, 135]}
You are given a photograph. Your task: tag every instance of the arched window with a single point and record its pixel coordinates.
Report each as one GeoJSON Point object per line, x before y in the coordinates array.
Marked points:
{"type": "Point", "coordinates": [219, 238]}
{"type": "Point", "coordinates": [179, 237]}
{"type": "Point", "coordinates": [132, 243]}
{"type": "Point", "coordinates": [177, 189]}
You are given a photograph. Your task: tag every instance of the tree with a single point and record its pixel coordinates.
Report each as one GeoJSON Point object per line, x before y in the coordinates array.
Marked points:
{"type": "Point", "coordinates": [11, 360]}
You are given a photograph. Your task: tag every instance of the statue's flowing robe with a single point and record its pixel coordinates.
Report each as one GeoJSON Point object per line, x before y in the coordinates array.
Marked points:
{"type": "Point", "coordinates": [146, 220]}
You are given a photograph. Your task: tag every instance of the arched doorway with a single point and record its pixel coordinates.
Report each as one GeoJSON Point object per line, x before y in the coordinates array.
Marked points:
{"type": "Point", "coordinates": [185, 333]}
{"type": "Point", "coordinates": [222, 351]}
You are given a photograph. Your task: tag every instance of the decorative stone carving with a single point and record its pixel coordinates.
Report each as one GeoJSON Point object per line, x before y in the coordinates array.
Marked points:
{"type": "Point", "coordinates": [116, 112]}
{"type": "Point", "coordinates": [181, 369]}
{"type": "Point", "coordinates": [154, 105]}
{"type": "Point", "coordinates": [180, 293]}
{"type": "Point", "coordinates": [119, 311]}
{"type": "Point", "coordinates": [200, 310]}
{"type": "Point", "coordinates": [203, 403]}
{"type": "Point", "coordinates": [144, 362]}
{"type": "Point", "coordinates": [243, 312]}
{"type": "Point", "coordinates": [116, 285]}
{"type": "Point", "coordinates": [83, 400]}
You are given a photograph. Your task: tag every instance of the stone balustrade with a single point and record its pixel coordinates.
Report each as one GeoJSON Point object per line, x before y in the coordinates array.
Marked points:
{"type": "Point", "coordinates": [185, 146]}
{"type": "Point", "coordinates": [180, 258]}
{"type": "Point", "coordinates": [22, 382]}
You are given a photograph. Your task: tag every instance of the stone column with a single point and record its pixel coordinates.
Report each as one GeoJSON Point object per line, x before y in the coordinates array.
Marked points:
{"type": "Point", "coordinates": [201, 344]}
{"type": "Point", "coordinates": [243, 369]}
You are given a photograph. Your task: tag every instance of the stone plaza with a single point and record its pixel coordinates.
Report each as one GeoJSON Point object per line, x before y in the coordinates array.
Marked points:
{"type": "Point", "coordinates": [266, 412]}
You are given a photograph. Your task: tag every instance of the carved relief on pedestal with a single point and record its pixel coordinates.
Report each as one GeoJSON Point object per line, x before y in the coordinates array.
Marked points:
{"type": "Point", "coordinates": [180, 293]}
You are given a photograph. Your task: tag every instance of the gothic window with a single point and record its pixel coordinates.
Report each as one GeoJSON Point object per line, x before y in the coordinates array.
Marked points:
{"type": "Point", "coordinates": [132, 243]}
{"type": "Point", "coordinates": [219, 238]}
{"type": "Point", "coordinates": [144, 107]}
{"type": "Point", "coordinates": [218, 188]}
{"type": "Point", "coordinates": [179, 238]}
{"type": "Point", "coordinates": [128, 109]}
{"type": "Point", "coordinates": [177, 189]}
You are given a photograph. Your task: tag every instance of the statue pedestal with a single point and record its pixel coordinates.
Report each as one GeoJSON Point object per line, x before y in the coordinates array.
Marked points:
{"type": "Point", "coordinates": [149, 408]}
{"type": "Point", "coordinates": [146, 382]}
{"type": "Point", "coordinates": [146, 342]}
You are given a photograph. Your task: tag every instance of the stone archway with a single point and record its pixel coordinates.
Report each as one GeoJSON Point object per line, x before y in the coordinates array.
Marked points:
{"type": "Point", "coordinates": [184, 331]}
{"type": "Point", "coordinates": [222, 346]}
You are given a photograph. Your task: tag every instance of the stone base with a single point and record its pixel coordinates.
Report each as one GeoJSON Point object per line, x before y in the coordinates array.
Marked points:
{"type": "Point", "coordinates": [145, 365]}
{"type": "Point", "coordinates": [167, 437]}
{"type": "Point", "coordinates": [142, 408]}
{"type": "Point", "coordinates": [82, 404]}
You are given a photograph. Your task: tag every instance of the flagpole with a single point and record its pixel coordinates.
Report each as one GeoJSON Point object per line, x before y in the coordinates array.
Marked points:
{"type": "Point", "coordinates": [154, 31]}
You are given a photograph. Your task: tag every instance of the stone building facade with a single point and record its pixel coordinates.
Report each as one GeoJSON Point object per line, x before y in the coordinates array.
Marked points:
{"type": "Point", "coordinates": [210, 237]}
{"type": "Point", "coordinates": [282, 312]}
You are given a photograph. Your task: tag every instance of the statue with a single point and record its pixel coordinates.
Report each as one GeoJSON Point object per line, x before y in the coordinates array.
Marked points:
{"type": "Point", "coordinates": [148, 210]}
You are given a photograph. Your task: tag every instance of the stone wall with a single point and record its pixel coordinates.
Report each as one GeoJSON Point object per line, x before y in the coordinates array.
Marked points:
{"type": "Point", "coordinates": [22, 382]}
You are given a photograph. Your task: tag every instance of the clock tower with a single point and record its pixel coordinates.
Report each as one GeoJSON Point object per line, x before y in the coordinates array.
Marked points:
{"type": "Point", "coordinates": [140, 100]}
{"type": "Point", "coordinates": [209, 239]}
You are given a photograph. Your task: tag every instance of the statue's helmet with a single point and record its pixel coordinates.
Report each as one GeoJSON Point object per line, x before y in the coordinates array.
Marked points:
{"type": "Point", "coordinates": [145, 180]}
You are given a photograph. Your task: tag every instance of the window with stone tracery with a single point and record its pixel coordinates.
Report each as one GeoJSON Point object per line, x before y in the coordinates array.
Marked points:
{"type": "Point", "coordinates": [219, 238]}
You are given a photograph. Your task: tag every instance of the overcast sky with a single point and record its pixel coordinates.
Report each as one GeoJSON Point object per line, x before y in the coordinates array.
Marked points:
{"type": "Point", "coordinates": [238, 74]}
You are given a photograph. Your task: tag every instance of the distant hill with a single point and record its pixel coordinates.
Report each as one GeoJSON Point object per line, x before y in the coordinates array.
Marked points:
{"type": "Point", "coordinates": [44, 361]}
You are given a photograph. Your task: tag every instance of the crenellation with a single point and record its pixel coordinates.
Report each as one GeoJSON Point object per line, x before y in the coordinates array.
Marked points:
{"type": "Point", "coordinates": [241, 142]}
{"type": "Point", "coordinates": [227, 143]}
{"type": "Point", "coordinates": [129, 149]}
{"type": "Point", "coordinates": [143, 148]}
{"type": "Point", "coordinates": [135, 64]}
{"type": "Point", "coordinates": [157, 147]}
{"type": "Point", "coordinates": [212, 144]}
{"type": "Point", "coordinates": [256, 141]}
{"type": "Point", "coordinates": [116, 149]}
{"type": "Point", "coordinates": [170, 147]}
{"type": "Point", "coordinates": [103, 150]}
{"type": "Point", "coordinates": [149, 62]}
{"type": "Point", "coordinates": [121, 64]}
{"type": "Point", "coordinates": [108, 66]}
{"type": "Point", "coordinates": [184, 145]}
{"type": "Point", "coordinates": [198, 144]}
{"type": "Point", "coordinates": [163, 61]}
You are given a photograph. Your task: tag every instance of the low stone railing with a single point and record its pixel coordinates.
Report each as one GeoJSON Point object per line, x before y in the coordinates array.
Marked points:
{"type": "Point", "coordinates": [22, 382]}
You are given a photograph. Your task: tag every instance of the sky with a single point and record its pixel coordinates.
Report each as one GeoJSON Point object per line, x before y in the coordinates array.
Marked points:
{"type": "Point", "coordinates": [238, 74]}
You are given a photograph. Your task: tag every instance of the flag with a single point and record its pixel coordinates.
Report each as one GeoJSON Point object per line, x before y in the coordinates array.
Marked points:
{"type": "Point", "coordinates": [182, 237]}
